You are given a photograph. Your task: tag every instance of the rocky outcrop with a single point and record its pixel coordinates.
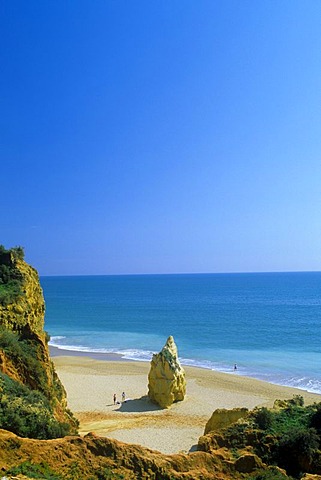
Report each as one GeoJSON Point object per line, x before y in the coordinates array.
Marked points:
{"type": "Point", "coordinates": [166, 379]}
{"type": "Point", "coordinates": [222, 418]}
{"type": "Point", "coordinates": [94, 458]}
{"type": "Point", "coordinates": [248, 463]}
{"type": "Point", "coordinates": [24, 352]}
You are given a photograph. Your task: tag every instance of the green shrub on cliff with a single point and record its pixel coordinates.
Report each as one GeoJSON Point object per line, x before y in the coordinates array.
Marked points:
{"type": "Point", "coordinates": [17, 252]}
{"type": "Point", "coordinates": [11, 279]}
{"type": "Point", "coordinates": [290, 436]}
{"type": "Point", "coordinates": [272, 473]}
{"type": "Point", "coordinates": [296, 448]}
{"type": "Point", "coordinates": [316, 418]}
{"type": "Point", "coordinates": [278, 422]}
{"type": "Point", "coordinates": [34, 470]}
{"type": "Point", "coordinates": [27, 412]}
{"type": "Point", "coordinates": [24, 353]}
{"type": "Point", "coordinates": [263, 418]}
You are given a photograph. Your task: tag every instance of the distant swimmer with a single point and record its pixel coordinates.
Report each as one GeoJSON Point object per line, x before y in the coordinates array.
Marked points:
{"type": "Point", "coordinates": [235, 366]}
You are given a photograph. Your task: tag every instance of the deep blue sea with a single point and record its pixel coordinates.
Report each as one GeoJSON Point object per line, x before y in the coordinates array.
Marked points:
{"type": "Point", "coordinates": [269, 324]}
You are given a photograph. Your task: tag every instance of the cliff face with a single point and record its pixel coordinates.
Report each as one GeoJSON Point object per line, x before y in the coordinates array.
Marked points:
{"type": "Point", "coordinates": [24, 352]}
{"type": "Point", "coordinates": [99, 458]}
{"type": "Point", "coordinates": [27, 313]}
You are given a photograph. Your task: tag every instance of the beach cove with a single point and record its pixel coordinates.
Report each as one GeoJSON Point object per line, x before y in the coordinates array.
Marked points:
{"type": "Point", "coordinates": [268, 324]}
{"type": "Point", "coordinates": [91, 381]}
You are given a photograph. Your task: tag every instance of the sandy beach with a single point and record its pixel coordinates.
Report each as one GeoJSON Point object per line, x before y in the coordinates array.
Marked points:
{"type": "Point", "coordinates": [91, 383]}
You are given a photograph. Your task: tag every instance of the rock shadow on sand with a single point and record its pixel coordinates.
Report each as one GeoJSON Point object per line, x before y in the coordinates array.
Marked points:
{"type": "Point", "coordinates": [142, 404]}
{"type": "Point", "coordinates": [194, 448]}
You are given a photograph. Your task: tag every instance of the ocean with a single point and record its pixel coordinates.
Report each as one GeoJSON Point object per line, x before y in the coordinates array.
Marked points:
{"type": "Point", "coordinates": [266, 323]}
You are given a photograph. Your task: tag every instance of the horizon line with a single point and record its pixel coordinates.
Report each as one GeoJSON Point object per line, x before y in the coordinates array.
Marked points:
{"type": "Point", "coordinates": [177, 273]}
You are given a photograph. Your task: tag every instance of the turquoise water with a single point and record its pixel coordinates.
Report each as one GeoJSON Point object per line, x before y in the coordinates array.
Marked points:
{"type": "Point", "coordinates": [266, 323]}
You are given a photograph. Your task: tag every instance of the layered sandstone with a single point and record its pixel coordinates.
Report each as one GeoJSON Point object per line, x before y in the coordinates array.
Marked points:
{"type": "Point", "coordinates": [166, 379]}
{"type": "Point", "coordinates": [93, 458]}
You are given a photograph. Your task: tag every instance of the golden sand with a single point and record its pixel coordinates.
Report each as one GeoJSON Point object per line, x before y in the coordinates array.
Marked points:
{"type": "Point", "coordinates": [91, 384]}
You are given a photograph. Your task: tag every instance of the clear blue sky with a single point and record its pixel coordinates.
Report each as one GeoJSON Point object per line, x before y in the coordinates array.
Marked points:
{"type": "Point", "coordinates": [161, 136]}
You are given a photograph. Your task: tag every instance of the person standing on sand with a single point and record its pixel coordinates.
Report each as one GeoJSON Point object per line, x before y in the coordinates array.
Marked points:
{"type": "Point", "coordinates": [123, 397]}
{"type": "Point", "coordinates": [115, 398]}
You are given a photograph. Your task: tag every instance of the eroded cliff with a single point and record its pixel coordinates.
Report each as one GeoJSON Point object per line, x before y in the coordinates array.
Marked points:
{"type": "Point", "coordinates": [29, 385]}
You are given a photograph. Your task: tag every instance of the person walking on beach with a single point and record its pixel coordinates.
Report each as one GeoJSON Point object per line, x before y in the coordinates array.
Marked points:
{"type": "Point", "coordinates": [235, 366]}
{"type": "Point", "coordinates": [115, 398]}
{"type": "Point", "coordinates": [123, 397]}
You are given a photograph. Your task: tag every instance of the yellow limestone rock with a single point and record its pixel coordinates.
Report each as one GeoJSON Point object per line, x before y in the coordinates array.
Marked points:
{"type": "Point", "coordinates": [222, 418]}
{"type": "Point", "coordinates": [166, 379]}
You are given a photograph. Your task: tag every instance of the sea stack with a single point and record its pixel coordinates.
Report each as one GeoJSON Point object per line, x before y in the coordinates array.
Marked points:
{"type": "Point", "coordinates": [166, 378]}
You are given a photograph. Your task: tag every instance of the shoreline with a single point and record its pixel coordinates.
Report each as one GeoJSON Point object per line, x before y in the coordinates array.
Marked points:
{"type": "Point", "coordinates": [90, 382]}
{"type": "Point", "coordinates": [117, 357]}
{"type": "Point", "coordinates": [108, 357]}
